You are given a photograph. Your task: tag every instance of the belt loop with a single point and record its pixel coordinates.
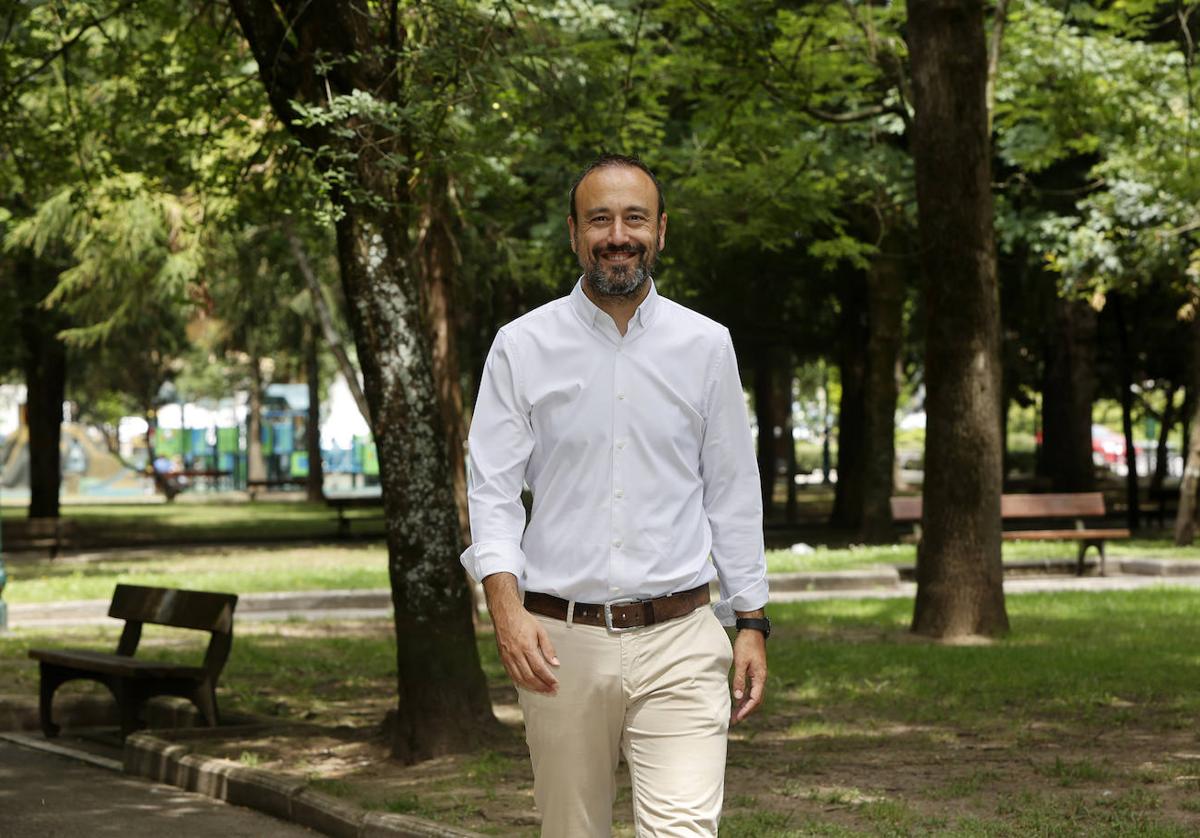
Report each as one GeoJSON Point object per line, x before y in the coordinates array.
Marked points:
{"type": "Point", "coordinates": [570, 612]}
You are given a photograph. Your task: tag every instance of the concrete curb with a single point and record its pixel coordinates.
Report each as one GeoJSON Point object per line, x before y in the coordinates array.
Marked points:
{"type": "Point", "coordinates": [38, 743]}
{"type": "Point", "coordinates": [173, 763]}
{"type": "Point", "coordinates": [884, 576]}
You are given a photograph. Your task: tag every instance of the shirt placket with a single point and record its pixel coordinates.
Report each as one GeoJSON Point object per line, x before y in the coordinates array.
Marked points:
{"type": "Point", "coordinates": [619, 566]}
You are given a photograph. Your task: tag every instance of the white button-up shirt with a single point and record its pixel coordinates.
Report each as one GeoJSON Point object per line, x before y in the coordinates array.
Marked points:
{"type": "Point", "coordinates": [636, 448]}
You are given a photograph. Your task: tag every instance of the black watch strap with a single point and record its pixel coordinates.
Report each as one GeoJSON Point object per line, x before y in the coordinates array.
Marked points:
{"type": "Point", "coordinates": [757, 623]}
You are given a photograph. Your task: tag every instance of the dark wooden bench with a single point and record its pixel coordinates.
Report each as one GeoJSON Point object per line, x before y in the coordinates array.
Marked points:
{"type": "Point", "coordinates": [50, 534]}
{"type": "Point", "coordinates": [1046, 508]}
{"type": "Point", "coordinates": [254, 486]}
{"type": "Point", "coordinates": [133, 681]}
{"type": "Point", "coordinates": [344, 503]}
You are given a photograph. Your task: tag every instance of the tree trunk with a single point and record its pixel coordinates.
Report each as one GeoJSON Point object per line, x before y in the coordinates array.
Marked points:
{"type": "Point", "coordinates": [46, 384]}
{"type": "Point", "coordinates": [852, 409]}
{"type": "Point", "coordinates": [788, 441]}
{"type": "Point", "coordinates": [256, 467]}
{"type": "Point", "coordinates": [959, 574]}
{"type": "Point", "coordinates": [443, 703]}
{"type": "Point", "coordinates": [1162, 451]}
{"type": "Point", "coordinates": [1185, 518]}
{"type": "Point", "coordinates": [764, 415]}
{"type": "Point", "coordinates": [315, 483]}
{"type": "Point", "coordinates": [885, 311]}
{"type": "Point", "coordinates": [1068, 390]}
{"type": "Point", "coordinates": [1132, 505]}
{"type": "Point", "coordinates": [443, 696]}
{"type": "Point", "coordinates": [439, 260]}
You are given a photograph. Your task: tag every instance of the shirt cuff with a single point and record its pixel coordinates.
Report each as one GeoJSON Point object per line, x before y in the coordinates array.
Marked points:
{"type": "Point", "coordinates": [484, 558]}
{"type": "Point", "coordinates": [750, 598]}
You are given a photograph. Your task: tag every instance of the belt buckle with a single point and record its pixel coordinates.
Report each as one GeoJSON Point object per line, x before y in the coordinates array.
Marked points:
{"type": "Point", "coordinates": [608, 617]}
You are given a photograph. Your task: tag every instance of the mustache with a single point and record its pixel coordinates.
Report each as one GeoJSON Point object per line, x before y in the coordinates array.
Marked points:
{"type": "Point", "coordinates": [600, 249]}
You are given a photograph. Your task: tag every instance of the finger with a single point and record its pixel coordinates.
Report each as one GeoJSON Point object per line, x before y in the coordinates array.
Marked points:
{"type": "Point", "coordinates": [541, 670]}
{"type": "Point", "coordinates": [546, 646]}
{"type": "Point", "coordinates": [739, 678]}
{"type": "Point", "coordinates": [754, 699]}
{"type": "Point", "coordinates": [525, 677]}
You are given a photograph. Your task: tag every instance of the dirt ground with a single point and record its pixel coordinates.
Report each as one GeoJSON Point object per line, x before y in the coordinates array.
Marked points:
{"type": "Point", "coordinates": [799, 770]}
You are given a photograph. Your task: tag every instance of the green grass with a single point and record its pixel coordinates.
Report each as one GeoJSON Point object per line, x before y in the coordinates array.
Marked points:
{"type": "Point", "coordinates": [237, 569]}
{"type": "Point", "coordinates": [862, 555]}
{"type": "Point", "coordinates": [853, 701]}
{"type": "Point", "coordinates": [204, 520]}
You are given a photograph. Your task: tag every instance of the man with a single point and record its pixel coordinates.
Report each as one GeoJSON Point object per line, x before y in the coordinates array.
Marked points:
{"type": "Point", "coordinates": [623, 413]}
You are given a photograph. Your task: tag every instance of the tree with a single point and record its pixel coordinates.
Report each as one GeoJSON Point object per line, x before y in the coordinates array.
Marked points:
{"type": "Point", "coordinates": [369, 96]}
{"type": "Point", "coordinates": [959, 574]}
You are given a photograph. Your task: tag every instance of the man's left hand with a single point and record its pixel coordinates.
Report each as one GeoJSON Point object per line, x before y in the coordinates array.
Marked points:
{"type": "Point", "coordinates": [749, 673]}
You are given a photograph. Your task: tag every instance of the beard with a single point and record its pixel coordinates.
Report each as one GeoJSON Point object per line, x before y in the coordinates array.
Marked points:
{"type": "Point", "coordinates": [619, 280]}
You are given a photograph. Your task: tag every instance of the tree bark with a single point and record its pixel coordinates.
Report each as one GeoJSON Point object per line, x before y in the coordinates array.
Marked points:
{"type": "Point", "coordinates": [1162, 451]}
{"type": "Point", "coordinates": [959, 574]}
{"type": "Point", "coordinates": [764, 415]}
{"type": "Point", "coordinates": [46, 385]}
{"type": "Point", "coordinates": [44, 359]}
{"type": "Point", "coordinates": [1068, 390]}
{"type": "Point", "coordinates": [1185, 518]}
{"type": "Point", "coordinates": [852, 408]}
{"type": "Point", "coordinates": [315, 483]}
{"type": "Point", "coordinates": [885, 312]}
{"type": "Point", "coordinates": [439, 261]}
{"type": "Point", "coordinates": [443, 703]}
{"type": "Point", "coordinates": [1132, 503]}
{"type": "Point", "coordinates": [256, 466]}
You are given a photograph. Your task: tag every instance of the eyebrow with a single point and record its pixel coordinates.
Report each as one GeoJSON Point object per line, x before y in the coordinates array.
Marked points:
{"type": "Point", "coordinates": [594, 210]}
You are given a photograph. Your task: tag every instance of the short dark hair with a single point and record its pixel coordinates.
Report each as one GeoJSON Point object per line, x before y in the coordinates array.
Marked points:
{"type": "Point", "coordinates": [605, 161]}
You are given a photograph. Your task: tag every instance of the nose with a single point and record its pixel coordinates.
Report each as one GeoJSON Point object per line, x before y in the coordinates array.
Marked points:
{"type": "Point", "coordinates": [618, 233]}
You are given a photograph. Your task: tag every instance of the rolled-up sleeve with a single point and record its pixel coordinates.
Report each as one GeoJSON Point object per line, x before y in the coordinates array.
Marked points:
{"type": "Point", "coordinates": [499, 445]}
{"type": "Point", "coordinates": [732, 493]}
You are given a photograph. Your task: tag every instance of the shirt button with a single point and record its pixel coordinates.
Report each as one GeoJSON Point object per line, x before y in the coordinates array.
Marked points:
{"type": "Point", "coordinates": [620, 445]}
{"type": "Point", "coordinates": [620, 493]}
{"type": "Point", "coordinates": [617, 543]}
{"type": "Point", "coordinates": [620, 397]}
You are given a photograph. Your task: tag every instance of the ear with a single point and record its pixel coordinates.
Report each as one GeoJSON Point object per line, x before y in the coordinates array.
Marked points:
{"type": "Point", "coordinates": [662, 231]}
{"type": "Point", "coordinates": [571, 233]}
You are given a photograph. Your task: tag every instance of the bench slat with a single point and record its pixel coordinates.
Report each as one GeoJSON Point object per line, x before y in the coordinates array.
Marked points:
{"type": "Point", "coordinates": [1063, 535]}
{"type": "Point", "coordinates": [1079, 505]}
{"type": "Point", "coordinates": [111, 664]}
{"type": "Point", "coordinates": [200, 610]}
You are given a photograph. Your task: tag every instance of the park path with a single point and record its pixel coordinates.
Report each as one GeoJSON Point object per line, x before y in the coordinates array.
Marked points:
{"type": "Point", "coordinates": [48, 796]}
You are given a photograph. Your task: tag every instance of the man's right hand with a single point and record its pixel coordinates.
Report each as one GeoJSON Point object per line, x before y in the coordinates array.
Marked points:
{"type": "Point", "coordinates": [524, 645]}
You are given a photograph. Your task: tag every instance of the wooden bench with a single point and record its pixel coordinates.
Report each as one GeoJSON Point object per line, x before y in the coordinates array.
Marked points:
{"type": "Point", "coordinates": [343, 503]}
{"type": "Point", "coordinates": [1047, 507]}
{"type": "Point", "coordinates": [133, 681]}
{"type": "Point", "coordinates": [51, 534]}
{"type": "Point", "coordinates": [254, 486]}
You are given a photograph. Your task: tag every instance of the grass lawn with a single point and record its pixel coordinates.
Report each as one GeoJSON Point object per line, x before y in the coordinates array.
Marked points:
{"type": "Point", "coordinates": [1081, 722]}
{"type": "Point", "coordinates": [239, 570]}
{"type": "Point", "coordinates": [859, 556]}
{"type": "Point", "coordinates": [200, 519]}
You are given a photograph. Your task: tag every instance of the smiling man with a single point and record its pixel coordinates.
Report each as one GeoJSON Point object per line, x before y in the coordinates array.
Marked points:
{"type": "Point", "coordinates": [623, 413]}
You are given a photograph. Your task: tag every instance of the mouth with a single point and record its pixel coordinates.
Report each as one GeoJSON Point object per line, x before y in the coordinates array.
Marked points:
{"type": "Point", "coordinates": [619, 256]}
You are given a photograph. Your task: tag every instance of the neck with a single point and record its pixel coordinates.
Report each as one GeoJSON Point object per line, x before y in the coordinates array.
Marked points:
{"type": "Point", "coordinates": [620, 309]}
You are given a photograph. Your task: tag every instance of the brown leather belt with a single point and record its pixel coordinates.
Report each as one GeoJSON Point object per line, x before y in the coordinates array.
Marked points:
{"type": "Point", "coordinates": [620, 614]}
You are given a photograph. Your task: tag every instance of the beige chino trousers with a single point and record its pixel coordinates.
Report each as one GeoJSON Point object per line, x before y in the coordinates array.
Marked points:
{"type": "Point", "coordinates": [660, 696]}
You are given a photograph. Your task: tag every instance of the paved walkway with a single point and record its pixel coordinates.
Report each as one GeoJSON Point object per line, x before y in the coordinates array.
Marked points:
{"type": "Point", "coordinates": [47, 796]}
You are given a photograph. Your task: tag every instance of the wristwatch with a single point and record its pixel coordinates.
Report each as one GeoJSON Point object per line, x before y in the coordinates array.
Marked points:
{"type": "Point", "coordinates": [757, 623]}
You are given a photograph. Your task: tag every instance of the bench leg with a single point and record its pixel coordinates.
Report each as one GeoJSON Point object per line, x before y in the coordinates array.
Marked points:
{"type": "Point", "coordinates": [51, 679]}
{"type": "Point", "coordinates": [1083, 545]}
{"type": "Point", "coordinates": [205, 699]}
{"type": "Point", "coordinates": [1100, 548]}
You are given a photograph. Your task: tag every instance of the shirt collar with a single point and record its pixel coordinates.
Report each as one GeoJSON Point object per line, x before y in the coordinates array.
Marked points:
{"type": "Point", "coordinates": [589, 311]}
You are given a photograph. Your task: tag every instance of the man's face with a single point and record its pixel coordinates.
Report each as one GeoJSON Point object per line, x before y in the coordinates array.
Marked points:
{"type": "Point", "coordinates": [617, 236]}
